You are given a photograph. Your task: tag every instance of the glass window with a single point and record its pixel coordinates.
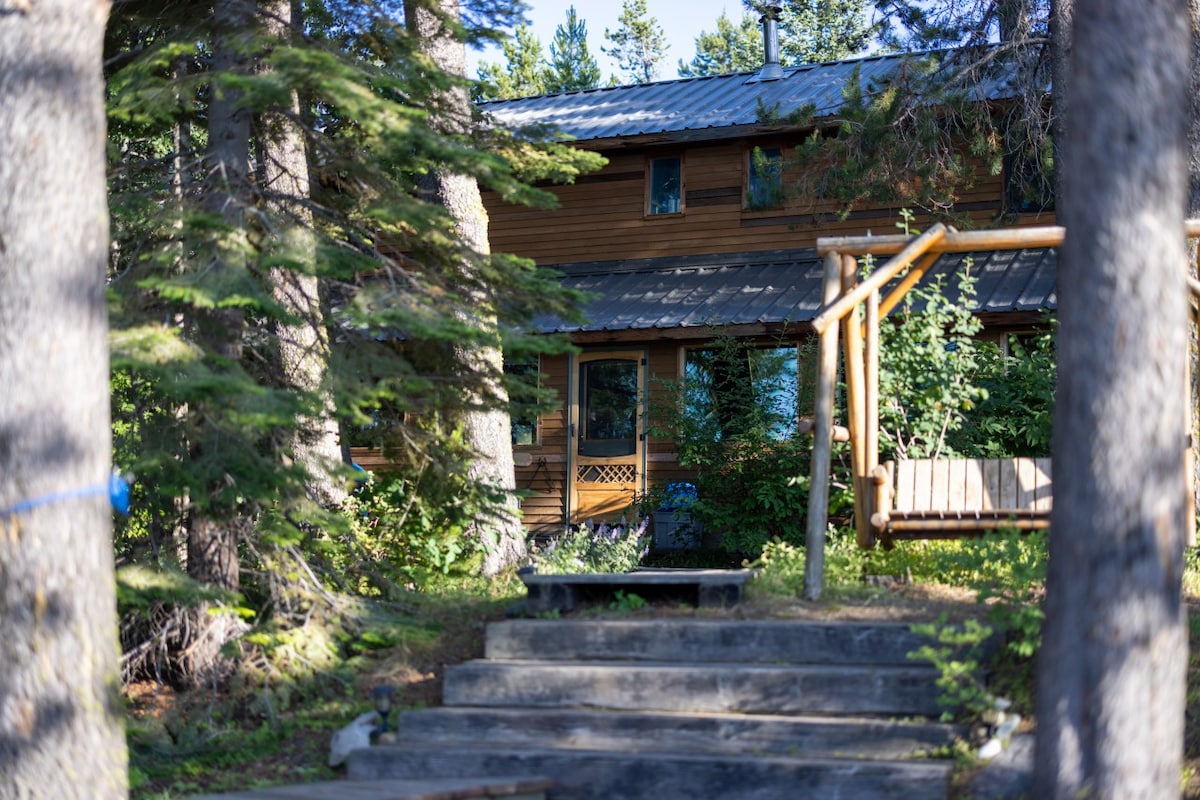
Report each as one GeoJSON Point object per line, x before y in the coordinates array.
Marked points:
{"type": "Point", "coordinates": [608, 398]}
{"type": "Point", "coordinates": [521, 381]}
{"type": "Point", "coordinates": [764, 178]}
{"type": "Point", "coordinates": [666, 186]}
{"type": "Point", "coordinates": [736, 389]}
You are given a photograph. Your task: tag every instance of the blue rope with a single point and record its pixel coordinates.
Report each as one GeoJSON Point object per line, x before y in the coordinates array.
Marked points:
{"type": "Point", "coordinates": [117, 490]}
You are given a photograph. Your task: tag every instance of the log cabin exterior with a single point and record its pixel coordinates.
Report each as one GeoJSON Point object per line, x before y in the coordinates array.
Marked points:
{"type": "Point", "coordinates": [684, 233]}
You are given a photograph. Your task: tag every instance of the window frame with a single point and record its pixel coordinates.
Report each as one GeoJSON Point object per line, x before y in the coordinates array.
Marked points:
{"type": "Point", "coordinates": [776, 198]}
{"type": "Point", "coordinates": [648, 199]}
{"type": "Point", "coordinates": [516, 420]}
{"type": "Point", "coordinates": [787, 430]}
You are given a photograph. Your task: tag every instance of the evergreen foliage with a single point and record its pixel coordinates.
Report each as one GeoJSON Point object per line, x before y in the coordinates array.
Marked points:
{"type": "Point", "coordinates": [527, 72]}
{"type": "Point", "coordinates": [524, 73]}
{"type": "Point", "coordinates": [638, 44]}
{"type": "Point", "coordinates": [923, 137]}
{"type": "Point", "coordinates": [730, 48]}
{"type": "Point", "coordinates": [204, 415]}
{"type": "Point", "coordinates": [810, 31]}
{"type": "Point", "coordinates": [572, 65]}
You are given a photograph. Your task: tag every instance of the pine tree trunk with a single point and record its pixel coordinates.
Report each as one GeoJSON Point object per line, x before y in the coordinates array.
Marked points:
{"type": "Point", "coordinates": [212, 546]}
{"type": "Point", "coordinates": [303, 344]}
{"type": "Point", "coordinates": [60, 712]}
{"type": "Point", "coordinates": [1060, 76]}
{"type": "Point", "coordinates": [488, 430]}
{"type": "Point", "coordinates": [1111, 683]}
{"type": "Point", "coordinates": [1193, 212]}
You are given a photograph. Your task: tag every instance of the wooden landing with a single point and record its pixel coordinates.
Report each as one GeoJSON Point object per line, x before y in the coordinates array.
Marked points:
{"type": "Point", "coordinates": [516, 788]}
{"type": "Point", "coordinates": [698, 587]}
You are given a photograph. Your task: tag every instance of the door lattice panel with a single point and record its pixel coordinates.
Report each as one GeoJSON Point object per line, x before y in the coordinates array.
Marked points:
{"type": "Point", "coordinates": [607, 473]}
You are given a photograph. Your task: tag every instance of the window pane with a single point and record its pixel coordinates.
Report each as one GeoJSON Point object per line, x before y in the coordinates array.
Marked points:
{"type": "Point", "coordinates": [665, 185]}
{"type": "Point", "coordinates": [608, 407]}
{"type": "Point", "coordinates": [733, 390]}
{"type": "Point", "coordinates": [764, 184]}
{"type": "Point", "coordinates": [522, 383]}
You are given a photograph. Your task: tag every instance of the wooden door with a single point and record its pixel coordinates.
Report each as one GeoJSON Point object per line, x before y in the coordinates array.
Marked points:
{"type": "Point", "coordinates": [607, 438]}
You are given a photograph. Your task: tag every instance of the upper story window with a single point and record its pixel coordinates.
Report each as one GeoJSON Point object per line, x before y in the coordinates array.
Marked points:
{"type": "Point", "coordinates": [664, 183]}
{"type": "Point", "coordinates": [764, 178]}
{"type": "Point", "coordinates": [1029, 178]}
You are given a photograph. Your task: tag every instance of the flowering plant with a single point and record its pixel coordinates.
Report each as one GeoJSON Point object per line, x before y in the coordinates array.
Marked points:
{"type": "Point", "coordinates": [618, 547]}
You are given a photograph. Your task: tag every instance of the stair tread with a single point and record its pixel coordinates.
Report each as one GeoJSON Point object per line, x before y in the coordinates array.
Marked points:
{"type": "Point", "coordinates": [576, 664]}
{"type": "Point", "coordinates": [931, 765]}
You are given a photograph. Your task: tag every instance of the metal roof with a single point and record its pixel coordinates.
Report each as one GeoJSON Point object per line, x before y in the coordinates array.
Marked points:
{"type": "Point", "coordinates": [708, 105]}
{"type": "Point", "coordinates": [773, 288]}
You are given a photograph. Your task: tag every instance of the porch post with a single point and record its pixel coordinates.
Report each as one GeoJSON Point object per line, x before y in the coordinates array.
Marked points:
{"type": "Point", "coordinates": [818, 497]}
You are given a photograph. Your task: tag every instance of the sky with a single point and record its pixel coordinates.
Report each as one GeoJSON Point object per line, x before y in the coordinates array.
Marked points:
{"type": "Point", "coordinates": [681, 23]}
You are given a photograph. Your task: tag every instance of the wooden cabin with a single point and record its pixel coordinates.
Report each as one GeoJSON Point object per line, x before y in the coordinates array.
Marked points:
{"type": "Point", "coordinates": [688, 230]}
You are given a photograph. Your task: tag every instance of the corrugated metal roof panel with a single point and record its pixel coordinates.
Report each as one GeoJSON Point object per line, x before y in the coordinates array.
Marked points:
{"type": "Point", "coordinates": [772, 288]}
{"type": "Point", "coordinates": [712, 102]}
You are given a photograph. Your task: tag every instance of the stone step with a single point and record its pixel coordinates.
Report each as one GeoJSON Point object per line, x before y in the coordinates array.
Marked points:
{"type": "Point", "coordinates": [705, 641]}
{"type": "Point", "coordinates": [664, 686]}
{"type": "Point", "coordinates": [423, 788]}
{"type": "Point", "coordinates": [604, 775]}
{"type": "Point", "coordinates": [681, 732]}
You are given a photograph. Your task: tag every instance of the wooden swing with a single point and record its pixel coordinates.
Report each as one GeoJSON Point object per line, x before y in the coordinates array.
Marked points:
{"type": "Point", "coordinates": [913, 498]}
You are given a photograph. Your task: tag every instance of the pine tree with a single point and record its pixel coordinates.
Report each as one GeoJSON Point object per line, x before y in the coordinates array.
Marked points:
{"type": "Point", "coordinates": [812, 31]}
{"type": "Point", "coordinates": [572, 66]}
{"type": "Point", "coordinates": [1112, 669]}
{"type": "Point", "coordinates": [524, 73]}
{"type": "Point", "coordinates": [206, 244]}
{"type": "Point", "coordinates": [731, 48]}
{"type": "Point", "coordinates": [638, 43]}
{"type": "Point", "coordinates": [60, 726]}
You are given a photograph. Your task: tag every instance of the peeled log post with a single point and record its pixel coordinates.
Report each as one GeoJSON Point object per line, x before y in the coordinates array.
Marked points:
{"type": "Point", "coordinates": [871, 398]}
{"type": "Point", "coordinates": [818, 492]}
{"type": "Point", "coordinates": [855, 400]}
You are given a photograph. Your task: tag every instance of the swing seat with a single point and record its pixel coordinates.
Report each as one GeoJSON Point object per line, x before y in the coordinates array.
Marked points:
{"type": "Point", "coordinates": [936, 498]}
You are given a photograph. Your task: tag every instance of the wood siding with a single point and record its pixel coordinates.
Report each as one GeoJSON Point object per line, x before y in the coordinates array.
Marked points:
{"type": "Point", "coordinates": [602, 217]}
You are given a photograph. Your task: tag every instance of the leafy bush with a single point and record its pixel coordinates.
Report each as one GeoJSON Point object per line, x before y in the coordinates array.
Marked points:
{"type": "Point", "coordinates": [601, 549]}
{"type": "Point", "coordinates": [781, 565]}
{"type": "Point", "coordinates": [1014, 418]}
{"type": "Point", "coordinates": [733, 421]}
{"type": "Point", "coordinates": [957, 653]}
{"type": "Point", "coordinates": [413, 524]}
{"type": "Point", "coordinates": [928, 364]}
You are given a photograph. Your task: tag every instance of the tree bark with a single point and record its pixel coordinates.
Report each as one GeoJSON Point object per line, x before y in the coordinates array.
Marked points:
{"type": "Point", "coordinates": [60, 716]}
{"type": "Point", "coordinates": [1111, 682]}
{"type": "Point", "coordinates": [304, 343]}
{"type": "Point", "coordinates": [212, 546]}
{"type": "Point", "coordinates": [1193, 212]}
{"type": "Point", "coordinates": [1060, 77]}
{"type": "Point", "coordinates": [487, 425]}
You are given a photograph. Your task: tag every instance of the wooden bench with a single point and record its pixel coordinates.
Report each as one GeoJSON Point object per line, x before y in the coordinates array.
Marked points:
{"type": "Point", "coordinates": [934, 498]}
{"type": "Point", "coordinates": [698, 587]}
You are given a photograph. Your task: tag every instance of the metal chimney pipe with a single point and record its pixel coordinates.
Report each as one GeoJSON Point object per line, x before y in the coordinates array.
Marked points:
{"type": "Point", "coordinates": [771, 70]}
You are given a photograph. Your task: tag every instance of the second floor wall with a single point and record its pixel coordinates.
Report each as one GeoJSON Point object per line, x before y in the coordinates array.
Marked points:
{"type": "Point", "coordinates": [626, 211]}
